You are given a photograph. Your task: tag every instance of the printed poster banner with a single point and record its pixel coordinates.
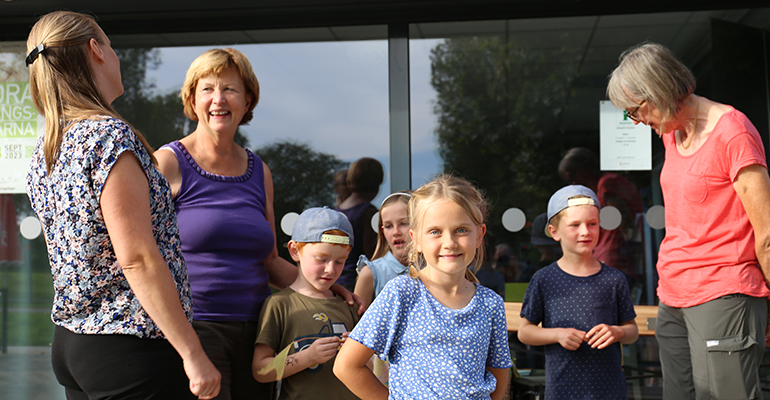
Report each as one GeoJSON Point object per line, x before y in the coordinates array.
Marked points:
{"type": "Point", "coordinates": [623, 145]}
{"type": "Point", "coordinates": [20, 123]}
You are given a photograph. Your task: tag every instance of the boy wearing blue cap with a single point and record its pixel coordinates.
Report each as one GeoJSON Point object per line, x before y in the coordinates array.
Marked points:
{"type": "Point", "coordinates": [306, 318]}
{"type": "Point", "coordinates": [583, 305]}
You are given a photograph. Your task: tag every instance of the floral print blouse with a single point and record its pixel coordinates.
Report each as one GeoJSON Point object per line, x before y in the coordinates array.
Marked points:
{"type": "Point", "coordinates": [91, 294]}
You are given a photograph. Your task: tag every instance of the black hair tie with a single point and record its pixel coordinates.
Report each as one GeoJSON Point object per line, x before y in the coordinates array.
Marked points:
{"type": "Point", "coordinates": [34, 53]}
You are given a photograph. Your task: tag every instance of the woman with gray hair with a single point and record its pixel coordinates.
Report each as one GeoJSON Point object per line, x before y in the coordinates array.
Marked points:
{"type": "Point", "coordinates": [714, 263]}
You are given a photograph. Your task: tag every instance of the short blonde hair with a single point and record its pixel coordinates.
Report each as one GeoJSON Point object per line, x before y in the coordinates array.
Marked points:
{"type": "Point", "coordinates": [459, 191]}
{"type": "Point", "coordinates": [650, 71]}
{"type": "Point", "coordinates": [215, 62]}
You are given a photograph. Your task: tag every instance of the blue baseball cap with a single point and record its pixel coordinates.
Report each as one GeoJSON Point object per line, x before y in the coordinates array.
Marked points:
{"type": "Point", "coordinates": [313, 222]}
{"type": "Point", "coordinates": [565, 198]}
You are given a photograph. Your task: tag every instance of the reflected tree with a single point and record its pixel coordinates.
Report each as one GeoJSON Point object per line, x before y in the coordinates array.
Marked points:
{"type": "Point", "coordinates": [158, 116]}
{"type": "Point", "coordinates": [302, 178]}
{"type": "Point", "coordinates": [498, 106]}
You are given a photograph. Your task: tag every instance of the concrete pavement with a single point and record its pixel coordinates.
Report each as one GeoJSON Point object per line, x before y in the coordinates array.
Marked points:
{"type": "Point", "coordinates": [26, 374]}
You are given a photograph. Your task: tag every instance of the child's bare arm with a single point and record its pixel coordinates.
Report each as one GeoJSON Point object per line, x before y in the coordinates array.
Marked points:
{"type": "Point", "coordinates": [501, 375]}
{"type": "Point", "coordinates": [603, 335]}
{"type": "Point", "coordinates": [534, 335]}
{"type": "Point", "coordinates": [365, 285]}
{"type": "Point", "coordinates": [319, 352]}
{"type": "Point", "coordinates": [350, 368]}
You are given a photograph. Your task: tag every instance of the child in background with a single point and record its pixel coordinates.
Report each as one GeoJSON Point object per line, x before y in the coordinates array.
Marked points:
{"type": "Point", "coordinates": [444, 335]}
{"type": "Point", "coordinates": [307, 315]}
{"type": "Point", "coordinates": [584, 306]}
{"type": "Point", "coordinates": [391, 257]}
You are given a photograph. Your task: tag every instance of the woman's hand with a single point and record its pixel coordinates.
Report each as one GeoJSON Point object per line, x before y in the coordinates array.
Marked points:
{"type": "Point", "coordinates": [204, 377]}
{"type": "Point", "coordinates": [125, 206]}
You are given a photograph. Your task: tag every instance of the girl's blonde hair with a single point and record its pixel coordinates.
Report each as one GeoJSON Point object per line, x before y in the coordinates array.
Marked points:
{"type": "Point", "coordinates": [61, 82]}
{"type": "Point", "coordinates": [650, 71]}
{"type": "Point", "coordinates": [382, 248]}
{"type": "Point", "coordinates": [459, 191]}
{"type": "Point", "coordinates": [215, 62]}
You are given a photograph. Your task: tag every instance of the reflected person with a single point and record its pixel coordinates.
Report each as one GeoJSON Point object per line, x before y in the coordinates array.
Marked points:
{"type": "Point", "coordinates": [364, 179]}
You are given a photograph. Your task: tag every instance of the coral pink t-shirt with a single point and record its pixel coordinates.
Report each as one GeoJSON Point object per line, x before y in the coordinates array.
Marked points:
{"type": "Point", "coordinates": [708, 251]}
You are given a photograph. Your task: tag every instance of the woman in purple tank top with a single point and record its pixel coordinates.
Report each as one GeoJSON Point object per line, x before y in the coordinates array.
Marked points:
{"type": "Point", "coordinates": [223, 195]}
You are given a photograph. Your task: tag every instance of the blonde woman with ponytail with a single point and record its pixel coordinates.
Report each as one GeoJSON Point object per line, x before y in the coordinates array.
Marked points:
{"type": "Point", "coordinates": [444, 335]}
{"type": "Point", "coordinates": [122, 303]}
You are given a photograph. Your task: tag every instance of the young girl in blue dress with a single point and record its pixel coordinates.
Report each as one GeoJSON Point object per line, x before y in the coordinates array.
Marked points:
{"type": "Point", "coordinates": [391, 256]}
{"type": "Point", "coordinates": [444, 335]}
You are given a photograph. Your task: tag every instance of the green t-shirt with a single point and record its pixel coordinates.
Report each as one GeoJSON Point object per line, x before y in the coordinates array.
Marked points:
{"type": "Point", "coordinates": [288, 317]}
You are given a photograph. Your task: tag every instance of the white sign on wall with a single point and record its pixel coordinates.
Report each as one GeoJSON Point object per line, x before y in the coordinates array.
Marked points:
{"type": "Point", "coordinates": [623, 145]}
{"type": "Point", "coordinates": [20, 123]}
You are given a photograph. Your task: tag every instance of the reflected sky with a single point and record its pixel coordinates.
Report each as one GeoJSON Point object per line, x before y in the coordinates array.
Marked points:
{"type": "Point", "coordinates": [331, 95]}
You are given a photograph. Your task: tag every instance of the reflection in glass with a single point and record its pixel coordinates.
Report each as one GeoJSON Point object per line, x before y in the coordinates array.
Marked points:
{"type": "Point", "coordinates": [322, 105]}
{"type": "Point", "coordinates": [514, 219]}
{"type": "Point", "coordinates": [655, 217]}
{"type": "Point", "coordinates": [610, 218]}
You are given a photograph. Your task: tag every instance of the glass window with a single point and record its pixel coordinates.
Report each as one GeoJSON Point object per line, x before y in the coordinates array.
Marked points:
{"type": "Point", "coordinates": [513, 106]}
{"type": "Point", "coordinates": [322, 106]}
{"type": "Point", "coordinates": [505, 103]}
{"type": "Point", "coordinates": [498, 102]}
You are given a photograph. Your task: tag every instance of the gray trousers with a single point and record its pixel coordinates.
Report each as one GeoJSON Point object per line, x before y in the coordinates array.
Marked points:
{"type": "Point", "coordinates": [712, 350]}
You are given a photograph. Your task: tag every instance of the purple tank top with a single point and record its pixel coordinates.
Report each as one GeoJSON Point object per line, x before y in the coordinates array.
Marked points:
{"type": "Point", "coordinates": [225, 237]}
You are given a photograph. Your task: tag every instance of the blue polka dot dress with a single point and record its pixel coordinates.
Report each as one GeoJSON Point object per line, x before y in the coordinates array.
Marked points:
{"type": "Point", "coordinates": [436, 352]}
{"type": "Point", "coordinates": [560, 300]}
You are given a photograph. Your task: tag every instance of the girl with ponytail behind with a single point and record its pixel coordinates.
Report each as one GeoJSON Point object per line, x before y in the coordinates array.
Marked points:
{"type": "Point", "coordinates": [122, 304]}
{"type": "Point", "coordinates": [444, 335]}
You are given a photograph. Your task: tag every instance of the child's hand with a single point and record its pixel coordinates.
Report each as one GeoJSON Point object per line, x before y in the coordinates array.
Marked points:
{"type": "Point", "coordinates": [603, 335]}
{"type": "Point", "coordinates": [322, 350]}
{"type": "Point", "coordinates": [571, 338]}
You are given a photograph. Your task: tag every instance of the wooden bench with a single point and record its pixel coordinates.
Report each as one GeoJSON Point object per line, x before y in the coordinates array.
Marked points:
{"type": "Point", "coordinates": [645, 318]}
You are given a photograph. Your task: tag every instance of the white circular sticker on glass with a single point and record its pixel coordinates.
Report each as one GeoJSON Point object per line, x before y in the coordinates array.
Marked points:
{"type": "Point", "coordinates": [656, 217]}
{"type": "Point", "coordinates": [287, 222]}
{"type": "Point", "coordinates": [610, 218]}
{"type": "Point", "coordinates": [514, 219]}
{"type": "Point", "coordinates": [376, 222]}
{"type": "Point", "coordinates": [30, 228]}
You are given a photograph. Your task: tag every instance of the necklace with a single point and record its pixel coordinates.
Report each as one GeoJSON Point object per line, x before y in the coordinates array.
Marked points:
{"type": "Point", "coordinates": [694, 125]}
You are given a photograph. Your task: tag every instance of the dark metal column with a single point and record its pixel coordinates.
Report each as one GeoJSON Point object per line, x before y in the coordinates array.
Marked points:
{"type": "Point", "coordinates": [398, 82]}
